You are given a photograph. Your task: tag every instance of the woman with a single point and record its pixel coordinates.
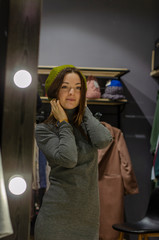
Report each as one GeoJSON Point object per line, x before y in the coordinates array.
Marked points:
{"type": "Point", "coordinates": [69, 138]}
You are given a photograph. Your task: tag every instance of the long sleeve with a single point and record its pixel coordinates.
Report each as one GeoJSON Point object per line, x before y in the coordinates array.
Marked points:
{"type": "Point", "coordinates": [58, 145]}
{"type": "Point", "coordinates": [127, 172]}
{"type": "Point", "coordinates": [99, 135]}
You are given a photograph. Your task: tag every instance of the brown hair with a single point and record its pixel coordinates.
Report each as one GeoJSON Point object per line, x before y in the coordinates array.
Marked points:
{"type": "Point", "coordinates": [53, 92]}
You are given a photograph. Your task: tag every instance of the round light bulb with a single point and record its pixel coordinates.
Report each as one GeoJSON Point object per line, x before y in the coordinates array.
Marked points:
{"type": "Point", "coordinates": [22, 79]}
{"type": "Point", "coordinates": [17, 185]}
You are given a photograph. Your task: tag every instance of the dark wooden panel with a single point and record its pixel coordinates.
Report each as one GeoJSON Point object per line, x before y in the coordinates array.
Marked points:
{"type": "Point", "coordinates": [19, 108]}
{"type": "Point", "coordinates": [4, 7]}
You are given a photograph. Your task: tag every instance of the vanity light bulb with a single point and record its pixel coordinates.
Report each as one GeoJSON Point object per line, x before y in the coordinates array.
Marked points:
{"type": "Point", "coordinates": [17, 185]}
{"type": "Point", "coordinates": [22, 79]}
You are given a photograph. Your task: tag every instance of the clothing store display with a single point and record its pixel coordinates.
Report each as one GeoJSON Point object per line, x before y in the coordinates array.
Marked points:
{"type": "Point", "coordinates": [155, 127]}
{"type": "Point", "coordinates": [116, 179]}
{"type": "Point", "coordinates": [5, 221]}
{"type": "Point", "coordinates": [70, 208]}
{"type": "Point", "coordinates": [93, 89]}
{"type": "Point", "coordinates": [113, 90]}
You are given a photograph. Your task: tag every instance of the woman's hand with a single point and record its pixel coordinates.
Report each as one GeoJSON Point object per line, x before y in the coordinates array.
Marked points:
{"type": "Point", "coordinates": [58, 111]}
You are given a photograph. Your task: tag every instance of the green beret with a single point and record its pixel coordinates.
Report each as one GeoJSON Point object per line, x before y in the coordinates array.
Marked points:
{"type": "Point", "coordinates": [53, 74]}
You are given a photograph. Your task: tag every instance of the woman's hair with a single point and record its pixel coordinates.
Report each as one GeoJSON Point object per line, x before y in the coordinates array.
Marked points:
{"type": "Point", "coordinates": [53, 92]}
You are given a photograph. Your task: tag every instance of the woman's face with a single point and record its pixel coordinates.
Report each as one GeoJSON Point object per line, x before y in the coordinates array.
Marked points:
{"type": "Point", "coordinates": [70, 91]}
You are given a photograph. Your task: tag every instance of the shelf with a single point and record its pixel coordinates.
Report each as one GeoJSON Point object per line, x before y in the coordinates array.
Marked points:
{"type": "Point", "coordinates": [87, 71]}
{"type": "Point", "coordinates": [43, 72]}
{"type": "Point", "coordinates": [101, 101]}
{"type": "Point", "coordinates": [154, 73]}
{"type": "Point", "coordinates": [97, 101]}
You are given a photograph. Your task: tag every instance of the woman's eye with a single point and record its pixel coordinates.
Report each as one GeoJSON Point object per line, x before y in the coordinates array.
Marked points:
{"type": "Point", "coordinates": [64, 87]}
{"type": "Point", "coordinates": [78, 88]}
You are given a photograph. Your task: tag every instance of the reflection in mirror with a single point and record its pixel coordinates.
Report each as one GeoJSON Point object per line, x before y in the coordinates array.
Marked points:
{"type": "Point", "coordinates": [5, 221]}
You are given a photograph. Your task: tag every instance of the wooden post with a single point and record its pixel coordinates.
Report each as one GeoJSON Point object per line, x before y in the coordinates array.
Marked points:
{"type": "Point", "coordinates": [19, 108]}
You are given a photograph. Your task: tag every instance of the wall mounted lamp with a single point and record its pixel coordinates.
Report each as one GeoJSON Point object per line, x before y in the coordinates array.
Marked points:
{"type": "Point", "coordinates": [22, 79]}
{"type": "Point", "coordinates": [17, 185]}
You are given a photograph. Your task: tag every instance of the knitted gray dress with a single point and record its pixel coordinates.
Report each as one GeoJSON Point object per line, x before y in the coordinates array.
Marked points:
{"type": "Point", "coordinates": [70, 208]}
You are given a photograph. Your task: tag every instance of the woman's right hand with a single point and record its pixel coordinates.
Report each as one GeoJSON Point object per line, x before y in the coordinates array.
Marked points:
{"type": "Point", "coordinates": [57, 110]}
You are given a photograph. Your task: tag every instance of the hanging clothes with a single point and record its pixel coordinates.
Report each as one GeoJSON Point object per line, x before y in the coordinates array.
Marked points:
{"type": "Point", "coordinates": [40, 183]}
{"type": "Point", "coordinates": [41, 170]}
{"type": "Point", "coordinates": [116, 179]}
{"type": "Point", "coordinates": [155, 127]}
{"type": "Point", "coordinates": [156, 163]}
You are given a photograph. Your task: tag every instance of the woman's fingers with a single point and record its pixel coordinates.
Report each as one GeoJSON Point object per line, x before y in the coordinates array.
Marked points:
{"type": "Point", "coordinates": [57, 110]}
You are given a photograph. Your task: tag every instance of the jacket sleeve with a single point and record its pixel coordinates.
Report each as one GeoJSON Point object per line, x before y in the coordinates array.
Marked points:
{"type": "Point", "coordinates": [58, 147]}
{"type": "Point", "coordinates": [99, 135]}
{"type": "Point", "coordinates": [127, 172]}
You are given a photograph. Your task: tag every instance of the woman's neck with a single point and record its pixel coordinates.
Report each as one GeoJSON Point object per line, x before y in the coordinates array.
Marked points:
{"type": "Point", "coordinates": [71, 113]}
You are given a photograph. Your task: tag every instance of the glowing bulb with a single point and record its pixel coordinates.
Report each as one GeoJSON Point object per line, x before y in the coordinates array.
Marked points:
{"type": "Point", "coordinates": [22, 79]}
{"type": "Point", "coordinates": [17, 185]}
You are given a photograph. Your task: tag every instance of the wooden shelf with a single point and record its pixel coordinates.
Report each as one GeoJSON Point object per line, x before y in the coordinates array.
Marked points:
{"type": "Point", "coordinates": [43, 71]}
{"type": "Point", "coordinates": [97, 101]}
{"type": "Point", "coordinates": [154, 73]}
{"type": "Point", "coordinates": [102, 74]}
{"type": "Point", "coordinates": [102, 101]}
{"type": "Point", "coordinates": [87, 71]}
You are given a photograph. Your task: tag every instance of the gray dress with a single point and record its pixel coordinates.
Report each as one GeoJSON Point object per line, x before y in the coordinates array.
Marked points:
{"type": "Point", "coordinates": [70, 208]}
